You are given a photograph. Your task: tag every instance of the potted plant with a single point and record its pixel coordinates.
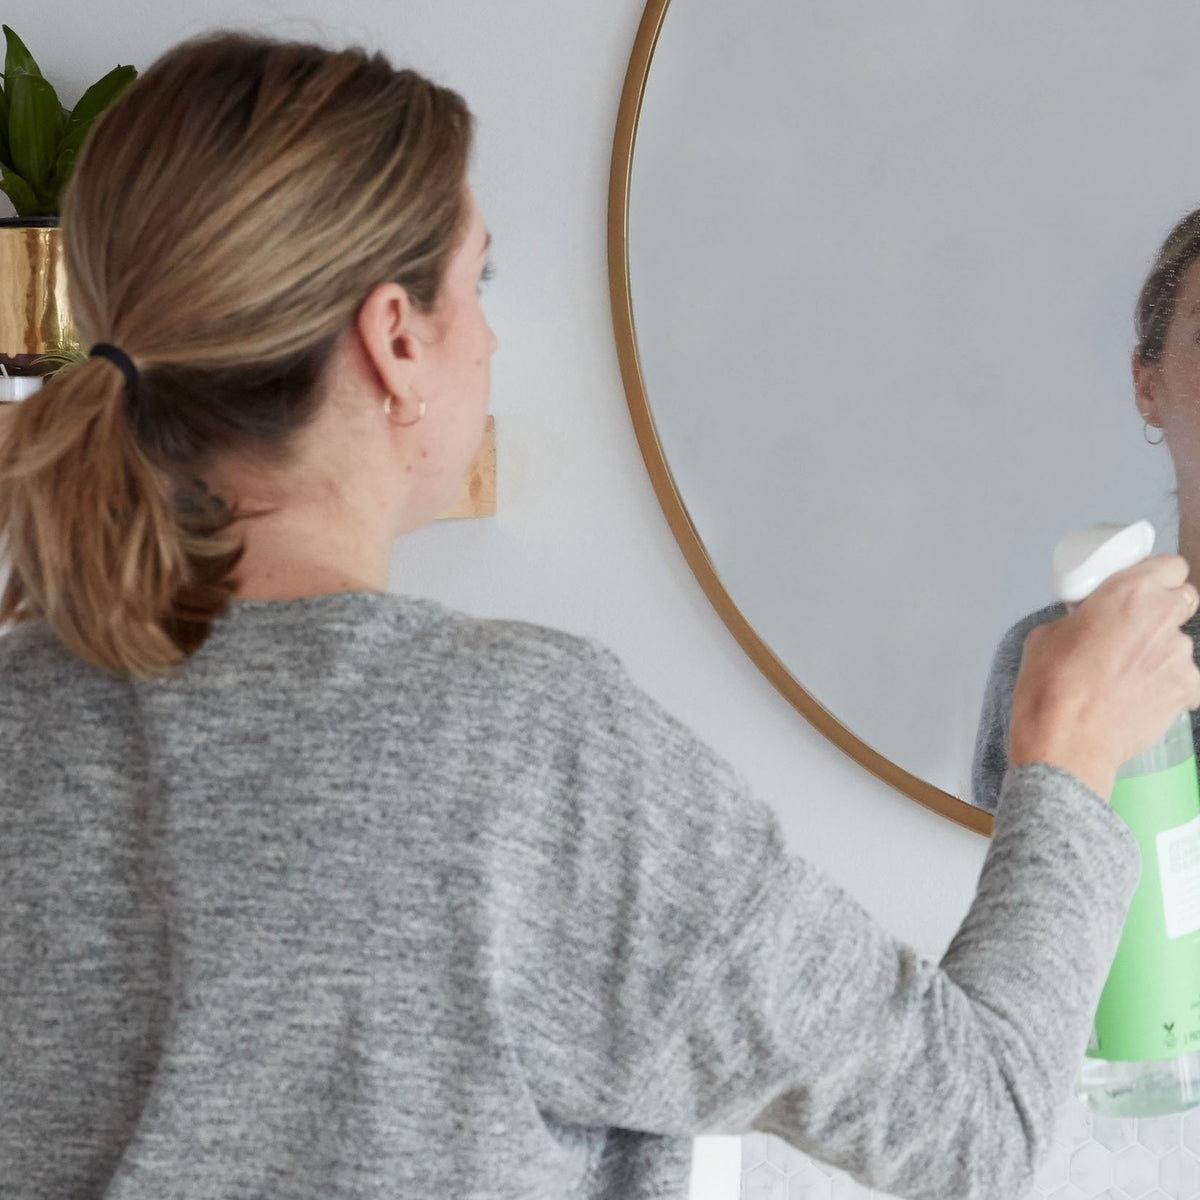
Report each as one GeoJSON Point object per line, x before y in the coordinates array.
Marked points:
{"type": "Point", "coordinates": [39, 142]}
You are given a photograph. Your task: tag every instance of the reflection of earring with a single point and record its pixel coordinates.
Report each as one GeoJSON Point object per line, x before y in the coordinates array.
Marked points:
{"type": "Point", "coordinates": [387, 407]}
{"type": "Point", "coordinates": [420, 414]}
{"type": "Point", "coordinates": [1146, 427]}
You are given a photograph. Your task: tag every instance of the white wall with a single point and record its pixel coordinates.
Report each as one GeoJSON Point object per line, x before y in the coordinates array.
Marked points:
{"type": "Point", "coordinates": [578, 540]}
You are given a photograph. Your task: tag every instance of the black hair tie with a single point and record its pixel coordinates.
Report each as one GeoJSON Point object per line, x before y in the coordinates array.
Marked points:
{"type": "Point", "coordinates": [118, 356]}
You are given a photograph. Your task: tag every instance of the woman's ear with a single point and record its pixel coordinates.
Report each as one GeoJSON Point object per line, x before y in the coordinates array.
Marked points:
{"type": "Point", "coordinates": [1145, 390]}
{"type": "Point", "coordinates": [386, 323]}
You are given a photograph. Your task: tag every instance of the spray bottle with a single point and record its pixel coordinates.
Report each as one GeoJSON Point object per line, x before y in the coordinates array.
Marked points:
{"type": "Point", "coordinates": [1143, 1058]}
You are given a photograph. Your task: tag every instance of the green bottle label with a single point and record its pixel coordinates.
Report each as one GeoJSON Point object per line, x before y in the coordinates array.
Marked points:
{"type": "Point", "coordinates": [1150, 1005]}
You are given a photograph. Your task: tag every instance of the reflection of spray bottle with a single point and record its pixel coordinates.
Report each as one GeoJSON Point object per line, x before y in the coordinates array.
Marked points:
{"type": "Point", "coordinates": [1143, 1058]}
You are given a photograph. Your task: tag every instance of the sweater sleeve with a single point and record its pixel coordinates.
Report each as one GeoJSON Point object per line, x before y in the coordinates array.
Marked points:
{"type": "Point", "coordinates": [942, 1080]}
{"type": "Point", "coordinates": [683, 973]}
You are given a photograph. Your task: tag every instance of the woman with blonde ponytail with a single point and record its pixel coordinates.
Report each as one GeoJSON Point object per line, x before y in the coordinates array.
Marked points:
{"type": "Point", "coordinates": [310, 890]}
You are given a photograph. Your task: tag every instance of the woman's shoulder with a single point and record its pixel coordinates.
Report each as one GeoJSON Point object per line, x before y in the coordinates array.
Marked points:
{"type": "Point", "coordinates": [1006, 661]}
{"type": "Point", "coordinates": [380, 618]}
{"type": "Point", "coordinates": [510, 642]}
{"type": "Point", "coordinates": [1008, 650]}
{"type": "Point", "coordinates": [510, 653]}
{"type": "Point", "coordinates": [1041, 616]}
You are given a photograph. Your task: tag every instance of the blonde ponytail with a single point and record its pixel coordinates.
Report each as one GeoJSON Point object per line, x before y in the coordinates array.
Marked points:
{"type": "Point", "coordinates": [226, 218]}
{"type": "Point", "coordinates": [92, 530]}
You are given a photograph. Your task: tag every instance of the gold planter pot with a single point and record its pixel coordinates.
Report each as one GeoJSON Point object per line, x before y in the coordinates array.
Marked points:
{"type": "Point", "coordinates": [34, 314]}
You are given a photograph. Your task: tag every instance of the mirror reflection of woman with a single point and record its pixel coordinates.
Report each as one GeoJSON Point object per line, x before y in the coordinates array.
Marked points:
{"type": "Point", "coordinates": [1166, 370]}
{"type": "Point", "coordinates": [314, 889]}
{"type": "Point", "coordinates": [1166, 386]}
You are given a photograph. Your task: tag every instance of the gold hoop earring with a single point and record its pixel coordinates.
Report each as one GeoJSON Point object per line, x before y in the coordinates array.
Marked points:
{"type": "Point", "coordinates": [1146, 433]}
{"type": "Point", "coordinates": [420, 414]}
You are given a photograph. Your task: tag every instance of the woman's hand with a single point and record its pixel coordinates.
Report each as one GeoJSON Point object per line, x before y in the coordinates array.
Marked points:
{"type": "Point", "coordinates": [1103, 683]}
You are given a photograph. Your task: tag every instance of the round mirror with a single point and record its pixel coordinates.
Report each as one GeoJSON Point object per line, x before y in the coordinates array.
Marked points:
{"type": "Point", "coordinates": [873, 269]}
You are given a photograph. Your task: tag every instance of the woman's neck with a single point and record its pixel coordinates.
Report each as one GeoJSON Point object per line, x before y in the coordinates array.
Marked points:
{"type": "Point", "coordinates": [286, 557]}
{"type": "Point", "coordinates": [1189, 544]}
{"type": "Point", "coordinates": [288, 581]}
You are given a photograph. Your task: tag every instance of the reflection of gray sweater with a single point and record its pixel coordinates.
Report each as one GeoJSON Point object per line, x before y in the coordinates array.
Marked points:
{"type": "Point", "coordinates": [990, 760]}
{"type": "Point", "coordinates": [379, 900]}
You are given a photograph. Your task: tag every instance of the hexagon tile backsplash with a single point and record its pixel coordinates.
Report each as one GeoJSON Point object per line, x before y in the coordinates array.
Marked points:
{"type": "Point", "coordinates": [1093, 1158]}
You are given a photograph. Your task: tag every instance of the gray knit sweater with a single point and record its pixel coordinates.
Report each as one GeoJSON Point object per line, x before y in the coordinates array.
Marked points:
{"type": "Point", "coordinates": [379, 900]}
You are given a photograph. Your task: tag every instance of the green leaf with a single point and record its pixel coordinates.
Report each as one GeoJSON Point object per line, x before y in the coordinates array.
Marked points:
{"type": "Point", "coordinates": [63, 166]}
{"type": "Point", "coordinates": [33, 127]}
{"type": "Point", "coordinates": [47, 201]}
{"type": "Point", "coordinates": [98, 97]}
{"type": "Point", "coordinates": [24, 198]}
{"type": "Point", "coordinates": [91, 104]}
{"type": "Point", "coordinates": [63, 358]}
{"type": "Point", "coordinates": [17, 58]}
{"type": "Point", "coordinates": [5, 152]}
{"type": "Point", "coordinates": [68, 152]}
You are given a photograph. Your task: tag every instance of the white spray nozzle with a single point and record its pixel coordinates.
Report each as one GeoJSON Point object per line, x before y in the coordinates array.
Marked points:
{"type": "Point", "coordinates": [1083, 560]}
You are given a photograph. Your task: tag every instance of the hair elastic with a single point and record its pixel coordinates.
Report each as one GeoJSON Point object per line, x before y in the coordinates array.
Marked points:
{"type": "Point", "coordinates": [118, 356]}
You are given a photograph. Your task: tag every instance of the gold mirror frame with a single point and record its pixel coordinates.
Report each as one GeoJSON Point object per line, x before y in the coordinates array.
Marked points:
{"type": "Point", "coordinates": [664, 486]}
